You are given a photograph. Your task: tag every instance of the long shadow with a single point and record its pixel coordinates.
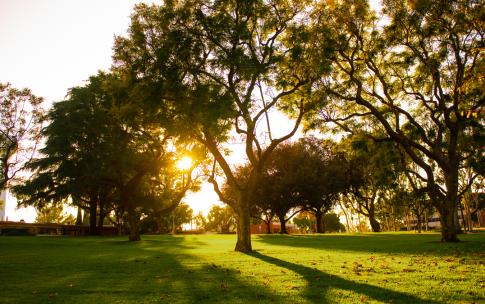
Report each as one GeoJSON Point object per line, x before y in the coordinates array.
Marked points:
{"type": "Point", "coordinates": [377, 243]}
{"type": "Point", "coordinates": [119, 271]}
{"type": "Point", "coordinates": [318, 283]}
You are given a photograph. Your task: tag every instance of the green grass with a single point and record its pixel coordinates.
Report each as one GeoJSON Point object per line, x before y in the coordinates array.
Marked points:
{"type": "Point", "coordinates": [339, 268]}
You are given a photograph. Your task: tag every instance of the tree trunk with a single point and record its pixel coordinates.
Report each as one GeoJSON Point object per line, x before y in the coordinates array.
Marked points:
{"type": "Point", "coordinates": [119, 223]}
{"type": "Point", "coordinates": [320, 224]}
{"type": "Point", "coordinates": [463, 220]}
{"type": "Point", "coordinates": [101, 217]}
{"type": "Point", "coordinates": [283, 225]}
{"type": "Point", "coordinates": [268, 226]}
{"type": "Point", "coordinates": [418, 223]}
{"type": "Point", "coordinates": [79, 217]}
{"type": "Point", "coordinates": [448, 208]}
{"type": "Point", "coordinates": [376, 227]}
{"type": "Point", "coordinates": [93, 206]}
{"type": "Point", "coordinates": [134, 223]}
{"type": "Point", "coordinates": [243, 230]}
{"type": "Point", "coordinates": [347, 222]}
{"type": "Point", "coordinates": [448, 226]}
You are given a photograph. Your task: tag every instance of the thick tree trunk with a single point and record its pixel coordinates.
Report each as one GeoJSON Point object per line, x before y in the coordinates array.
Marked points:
{"type": "Point", "coordinates": [283, 226]}
{"type": "Point", "coordinates": [281, 218]}
{"type": "Point", "coordinates": [320, 224]}
{"type": "Point", "coordinates": [134, 223]}
{"type": "Point", "coordinates": [92, 218]}
{"type": "Point", "coordinates": [448, 226]}
{"type": "Point", "coordinates": [243, 230]}
{"type": "Point", "coordinates": [374, 224]}
{"type": "Point", "coordinates": [448, 208]}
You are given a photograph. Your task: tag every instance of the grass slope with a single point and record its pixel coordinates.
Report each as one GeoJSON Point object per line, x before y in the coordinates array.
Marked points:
{"type": "Point", "coordinates": [340, 268]}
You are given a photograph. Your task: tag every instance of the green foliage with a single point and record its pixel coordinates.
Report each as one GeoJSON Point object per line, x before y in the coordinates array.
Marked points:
{"type": "Point", "coordinates": [168, 222]}
{"type": "Point", "coordinates": [54, 213]}
{"type": "Point", "coordinates": [104, 154]}
{"type": "Point", "coordinates": [332, 223]}
{"type": "Point", "coordinates": [375, 169]}
{"type": "Point", "coordinates": [412, 79]}
{"type": "Point", "coordinates": [21, 119]}
{"type": "Point", "coordinates": [221, 219]}
{"type": "Point", "coordinates": [200, 222]}
{"type": "Point", "coordinates": [305, 221]}
{"type": "Point", "coordinates": [221, 65]}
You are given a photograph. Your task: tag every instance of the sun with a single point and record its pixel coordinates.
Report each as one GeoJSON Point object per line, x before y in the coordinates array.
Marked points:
{"type": "Point", "coordinates": [184, 163]}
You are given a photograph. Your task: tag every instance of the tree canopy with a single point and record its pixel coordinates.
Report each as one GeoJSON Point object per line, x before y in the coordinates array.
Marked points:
{"type": "Point", "coordinates": [222, 66]}
{"type": "Point", "coordinates": [416, 76]}
{"type": "Point", "coordinates": [21, 119]}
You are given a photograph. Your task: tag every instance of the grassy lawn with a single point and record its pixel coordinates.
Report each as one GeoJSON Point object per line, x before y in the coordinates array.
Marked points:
{"type": "Point", "coordinates": [339, 268]}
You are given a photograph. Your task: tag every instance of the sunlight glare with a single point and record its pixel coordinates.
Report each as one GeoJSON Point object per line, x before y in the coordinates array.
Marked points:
{"type": "Point", "coordinates": [184, 163]}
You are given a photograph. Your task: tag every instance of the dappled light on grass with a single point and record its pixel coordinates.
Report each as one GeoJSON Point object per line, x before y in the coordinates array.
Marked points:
{"type": "Point", "coordinates": [205, 269]}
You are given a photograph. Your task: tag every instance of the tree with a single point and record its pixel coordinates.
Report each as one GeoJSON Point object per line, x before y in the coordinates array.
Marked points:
{"type": "Point", "coordinates": [53, 213]}
{"type": "Point", "coordinates": [262, 212]}
{"type": "Point", "coordinates": [21, 118]}
{"type": "Point", "coordinates": [417, 76]}
{"type": "Point", "coordinates": [169, 222]}
{"type": "Point", "coordinates": [375, 167]}
{"type": "Point", "coordinates": [217, 66]}
{"type": "Point", "coordinates": [101, 153]}
{"type": "Point", "coordinates": [332, 223]}
{"type": "Point", "coordinates": [324, 174]}
{"type": "Point", "coordinates": [200, 222]}
{"type": "Point", "coordinates": [221, 219]}
{"type": "Point", "coordinates": [305, 221]}
{"type": "Point", "coordinates": [74, 161]}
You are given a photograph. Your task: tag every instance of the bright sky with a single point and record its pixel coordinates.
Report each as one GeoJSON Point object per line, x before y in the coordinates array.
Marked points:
{"type": "Point", "coordinates": [50, 46]}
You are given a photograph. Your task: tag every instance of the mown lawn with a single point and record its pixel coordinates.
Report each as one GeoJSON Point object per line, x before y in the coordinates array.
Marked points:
{"type": "Point", "coordinates": [338, 268]}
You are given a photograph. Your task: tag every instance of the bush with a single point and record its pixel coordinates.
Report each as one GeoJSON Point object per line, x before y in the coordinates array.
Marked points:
{"type": "Point", "coordinates": [16, 232]}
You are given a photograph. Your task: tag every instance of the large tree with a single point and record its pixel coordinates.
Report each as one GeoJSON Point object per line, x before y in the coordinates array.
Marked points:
{"type": "Point", "coordinates": [73, 162]}
{"type": "Point", "coordinates": [323, 175]}
{"type": "Point", "coordinates": [415, 71]}
{"type": "Point", "coordinates": [104, 155]}
{"type": "Point", "coordinates": [21, 118]}
{"type": "Point", "coordinates": [217, 66]}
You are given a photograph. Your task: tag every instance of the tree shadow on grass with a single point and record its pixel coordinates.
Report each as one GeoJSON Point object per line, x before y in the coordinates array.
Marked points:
{"type": "Point", "coordinates": [319, 283]}
{"type": "Point", "coordinates": [124, 272]}
{"type": "Point", "coordinates": [374, 243]}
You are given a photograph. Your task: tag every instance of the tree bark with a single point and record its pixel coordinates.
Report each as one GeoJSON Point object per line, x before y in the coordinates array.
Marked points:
{"type": "Point", "coordinates": [101, 217]}
{"type": "Point", "coordinates": [448, 226]}
{"type": "Point", "coordinates": [376, 227]}
{"type": "Point", "coordinates": [93, 208]}
{"type": "Point", "coordinates": [134, 223]}
{"type": "Point", "coordinates": [448, 208]}
{"type": "Point", "coordinates": [268, 226]}
{"type": "Point", "coordinates": [243, 230]}
{"type": "Point", "coordinates": [320, 224]}
{"type": "Point", "coordinates": [283, 227]}
{"type": "Point", "coordinates": [79, 217]}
